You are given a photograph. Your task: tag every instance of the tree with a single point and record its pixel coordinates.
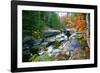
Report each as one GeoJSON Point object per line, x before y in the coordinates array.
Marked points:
{"type": "Point", "coordinates": [80, 22]}
{"type": "Point", "coordinates": [53, 20]}
{"type": "Point", "coordinates": [35, 22]}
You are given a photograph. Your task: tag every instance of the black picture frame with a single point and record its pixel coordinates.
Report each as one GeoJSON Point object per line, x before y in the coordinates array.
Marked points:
{"type": "Point", "coordinates": [14, 33]}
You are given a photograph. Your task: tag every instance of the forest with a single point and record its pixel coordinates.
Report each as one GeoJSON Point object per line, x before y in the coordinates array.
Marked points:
{"type": "Point", "coordinates": [55, 36]}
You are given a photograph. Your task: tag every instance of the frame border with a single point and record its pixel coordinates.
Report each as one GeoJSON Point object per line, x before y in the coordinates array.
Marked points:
{"type": "Point", "coordinates": [14, 5]}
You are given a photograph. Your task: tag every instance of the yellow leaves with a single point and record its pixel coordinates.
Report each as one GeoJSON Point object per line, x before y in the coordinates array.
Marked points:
{"type": "Point", "coordinates": [68, 22]}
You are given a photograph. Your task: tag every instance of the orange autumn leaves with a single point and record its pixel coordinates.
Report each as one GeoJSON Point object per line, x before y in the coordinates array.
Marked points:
{"type": "Point", "coordinates": [78, 22]}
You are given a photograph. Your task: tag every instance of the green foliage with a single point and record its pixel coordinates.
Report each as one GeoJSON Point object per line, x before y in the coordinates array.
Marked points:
{"type": "Point", "coordinates": [54, 21]}
{"type": "Point", "coordinates": [56, 44]}
{"type": "Point", "coordinates": [34, 58]}
{"type": "Point", "coordinates": [35, 22]}
{"type": "Point", "coordinates": [79, 37]}
{"type": "Point", "coordinates": [43, 57]}
{"type": "Point", "coordinates": [82, 40]}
